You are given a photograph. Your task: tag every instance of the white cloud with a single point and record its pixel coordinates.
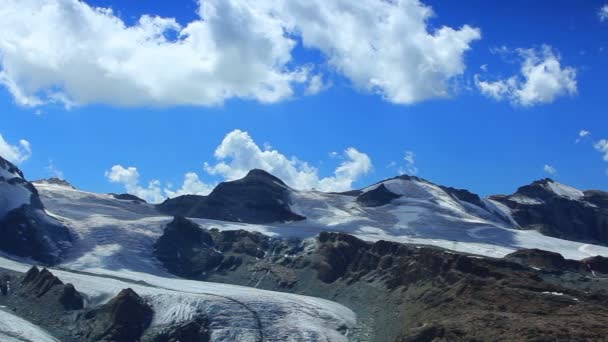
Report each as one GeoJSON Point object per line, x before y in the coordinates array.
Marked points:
{"type": "Point", "coordinates": [603, 13]}
{"type": "Point", "coordinates": [65, 51]}
{"type": "Point", "coordinates": [15, 153]}
{"type": "Point", "coordinates": [53, 170]}
{"type": "Point", "coordinates": [549, 169]}
{"type": "Point", "coordinates": [192, 186]}
{"type": "Point", "coordinates": [383, 47]}
{"type": "Point", "coordinates": [410, 164]}
{"type": "Point", "coordinates": [602, 147]}
{"type": "Point", "coordinates": [582, 134]}
{"type": "Point", "coordinates": [129, 177]}
{"type": "Point", "coordinates": [316, 85]}
{"type": "Point", "coordinates": [542, 80]}
{"type": "Point", "coordinates": [238, 153]}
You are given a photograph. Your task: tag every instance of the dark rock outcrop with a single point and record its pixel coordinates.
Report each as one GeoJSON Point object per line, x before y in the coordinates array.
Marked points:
{"type": "Point", "coordinates": [377, 197]}
{"type": "Point", "coordinates": [25, 229]}
{"type": "Point", "coordinates": [123, 319]}
{"type": "Point", "coordinates": [195, 330]}
{"type": "Point", "coordinates": [28, 232]}
{"type": "Point", "coordinates": [259, 197]}
{"type": "Point", "coordinates": [188, 250]}
{"type": "Point", "coordinates": [580, 219]}
{"type": "Point", "coordinates": [598, 264]}
{"type": "Point", "coordinates": [50, 290]}
{"type": "Point", "coordinates": [128, 197]}
{"type": "Point", "coordinates": [545, 260]}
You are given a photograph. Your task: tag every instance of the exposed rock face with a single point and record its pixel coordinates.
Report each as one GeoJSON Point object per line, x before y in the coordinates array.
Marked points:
{"type": "Point", "coordinates": [464, 195]}
{"type": "Point", "coordinates": [598, 264]}
{"type": "Point", "coordinates": [195, 330]}
{"type": "Point", "coordinates": [435, 295]}
{"type": "Point", "coordinates": [188, 250]}
{"type": "Point", "coordinates": [128, 197]}
{"type": "Point", "coordinates": [560, 211]}
{"type": "Point", "coordinates": [25, 229]}
{"type": "Point", "coordinates": [259, 197]}
{"type": "Point", "coordinates": [377, 197]}
{"type": "Point", "coordinates": [122, 319]}
{"type": "Point", "coordinates": [546, 260]}
{"type": "Point", "coordinates": [46, 287]}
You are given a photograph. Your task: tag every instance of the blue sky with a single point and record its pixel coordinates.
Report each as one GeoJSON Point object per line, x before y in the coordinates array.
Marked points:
{"type": "Point", "coordinates": [478, 121]}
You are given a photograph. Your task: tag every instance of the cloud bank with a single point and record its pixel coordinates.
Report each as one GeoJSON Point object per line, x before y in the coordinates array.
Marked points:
{"type": "Point", "coordinates": [68, 52]}
{"type": "Point", "coordinates": [236, 155]}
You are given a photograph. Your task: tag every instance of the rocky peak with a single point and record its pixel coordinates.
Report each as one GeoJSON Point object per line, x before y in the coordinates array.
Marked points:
{"type": "Point", "coordinates": [259, 197]}
{"type": "Point", "coordinates": [55, 181]}
{"type": "Point", "coordinates": [258, 174]}
{"type": "Point", "coordinates": [46, 287]}
{"type": "Point", "coordinates": [123, 318]}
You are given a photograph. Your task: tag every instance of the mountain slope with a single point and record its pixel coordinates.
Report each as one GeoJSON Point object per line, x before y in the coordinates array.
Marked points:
{"type": "Point", "coordinates": [558, 210]}
{"type": "Point", "coordinates": [259, 197]}
{"type": "Point", "coordinates": [25, 229]}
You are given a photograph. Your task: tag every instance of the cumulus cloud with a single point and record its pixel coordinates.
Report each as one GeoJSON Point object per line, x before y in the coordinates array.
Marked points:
{"type": "Point", "coordinates": [17, 153]}
{"type": "Point", "coordinates": [603, 13]}
{"type": "Point", "coordinates": [602, 147]}
{"type": "Point", "coordinates": [542, 79]}
{"type": "Point", "coordinates": [65, 51]}
{"type": "Point", "coordinates": [549, 169]}
{"type": "Point", "coordinates": [238, 153]}
{"type": "Point", "coordinates": [129, 177]}
{"type": "Point", "coordinates": [385, 47]}
{"type": "Point", "coordinates": [192, 186]}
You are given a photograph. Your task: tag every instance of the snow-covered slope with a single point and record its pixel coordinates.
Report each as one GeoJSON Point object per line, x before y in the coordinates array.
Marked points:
{"type": "Point", "coordinates": [113, 249]}
{"type": "Point", "coordinates": [16, 329]}
{"type": "Point", "coordinates": [114, 238]}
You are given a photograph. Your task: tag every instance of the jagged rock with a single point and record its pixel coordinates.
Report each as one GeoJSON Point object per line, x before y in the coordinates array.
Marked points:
{"type": "Point", "coordinates": [377, 197]}
{"type": "Point", "coordinates": [259, 197]}
{"type": "Point", "coordinates": [560, 211]}
{"type": "Point", "coordinates": [45, 286]}
{"type": "Point", "coordinates": [123, 319]}
{"type": "Point", "coordinates": [187, 250]}
{"type": "Point", "coordinates": [545, 260]}
{"type": "Point", "coordinates": [464, 195]}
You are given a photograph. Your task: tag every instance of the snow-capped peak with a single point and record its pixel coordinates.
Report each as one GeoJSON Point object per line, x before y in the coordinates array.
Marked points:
{"type": "Point", "coordinates": [563, 190]}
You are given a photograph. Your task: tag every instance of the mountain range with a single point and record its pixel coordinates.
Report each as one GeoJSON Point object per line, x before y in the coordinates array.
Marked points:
{"type": "Point", "coordinates": [256, 260]}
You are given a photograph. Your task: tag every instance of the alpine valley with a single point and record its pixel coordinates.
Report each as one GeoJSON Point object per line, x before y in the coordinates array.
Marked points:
{"type": "Point", "coordinates": [401, 260]}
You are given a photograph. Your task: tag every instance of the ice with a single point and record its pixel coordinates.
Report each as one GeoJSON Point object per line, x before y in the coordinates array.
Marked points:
{"type": "Point", "coordinates": [565, 191]}
{"type": "Point", "coordinates": [16, 329]}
